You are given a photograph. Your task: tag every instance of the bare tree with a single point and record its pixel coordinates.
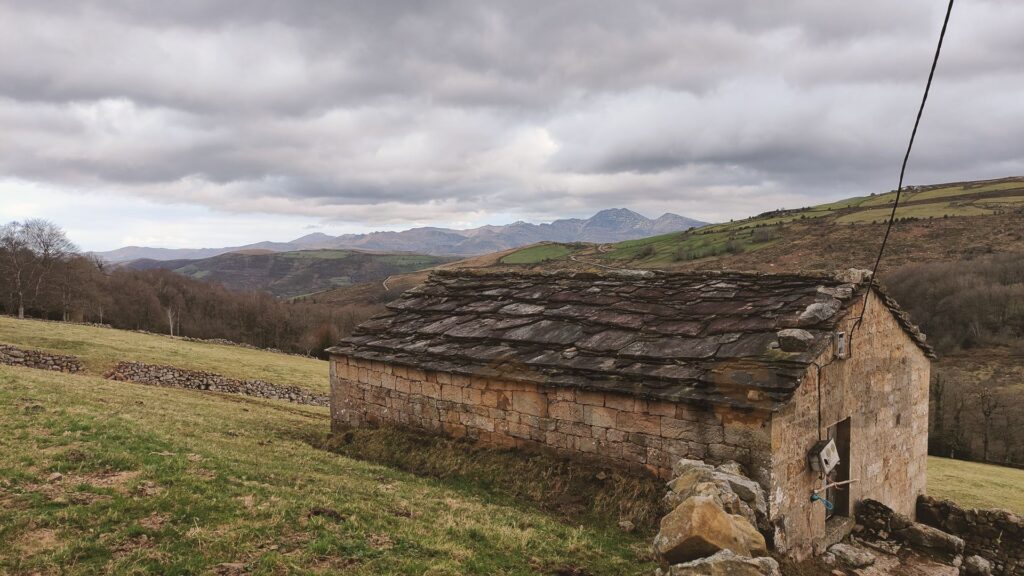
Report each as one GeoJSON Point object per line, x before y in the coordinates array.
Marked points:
{"type": "Point", "coordinates": [990, 403]}
{"type": "Point", "coordinates": [937, 437]}
{"type": "Point", "coordinates": [31, 249]}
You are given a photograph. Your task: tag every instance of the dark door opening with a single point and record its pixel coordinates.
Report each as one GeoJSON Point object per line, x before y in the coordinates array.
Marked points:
{"type": "Point", "coordinates": [839, 496]}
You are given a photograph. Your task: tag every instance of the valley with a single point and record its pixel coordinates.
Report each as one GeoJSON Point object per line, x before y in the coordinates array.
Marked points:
{"type": "Point", "coordinates": [291, 274]}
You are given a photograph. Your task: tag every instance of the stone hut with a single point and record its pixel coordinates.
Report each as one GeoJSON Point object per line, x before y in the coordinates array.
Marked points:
{"type": "Point", "coordinates": [642, 369]}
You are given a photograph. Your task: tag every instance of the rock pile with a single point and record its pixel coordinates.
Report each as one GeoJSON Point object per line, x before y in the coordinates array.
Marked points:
{"type": "Point", "coordinates": [994, 535]}
{"type": "Point", "coordinates": [14, 356]}
{"type": "Point", "coordinates": [883, 523]}
{"type": "Point", "coordinates": [198, 380]}
{"type": "Point", "coordinates": [712, 526]}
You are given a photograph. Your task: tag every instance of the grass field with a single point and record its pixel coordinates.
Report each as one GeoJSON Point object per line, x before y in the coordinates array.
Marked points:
{"type": "Point", "coordinates": [975, 485]}
{"type": "Point", "coordinates": [102, 477]}
{"type": "Point", "coordinates": [537, 254]}
{"type": "Point", "coordinates": [101, 348]}
{"type": "Point", "coordinates": [931, 210]}
{"type": "Point", "coordinates": [166, 481]}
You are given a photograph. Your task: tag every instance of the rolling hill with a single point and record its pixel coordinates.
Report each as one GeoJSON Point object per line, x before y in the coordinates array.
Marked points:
{"type": "Point", "coordinates": [289, 274]}
{"type": "Point", "coordinates": [976, 386]}
{"type": "Point", "coordinates": [934, 223]}
{"type": "Point", "coordinates": [611, 225]}
{"type": "Point", "coordinates": [105, 477]}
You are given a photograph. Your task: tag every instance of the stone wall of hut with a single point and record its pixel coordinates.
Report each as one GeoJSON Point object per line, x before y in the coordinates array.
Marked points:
{"type": "Point", "coordinates": [882, 388]}
{"type": "Point", "coordinates": [614, 428]}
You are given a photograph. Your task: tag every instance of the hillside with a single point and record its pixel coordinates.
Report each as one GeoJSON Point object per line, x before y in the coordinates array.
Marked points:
{"type": "Point", "coordinates": [101, 348]}
{"type": "Point", "coordinates": [611, 225]}
{"type": "Point", "coordinates": [115, 477]}
{"type": "Point", "coordinates": [289, 274]}
{"type": "Point", "coordinates": [937, 222]}
{"type": "Point", "coordinates": [952, 259]}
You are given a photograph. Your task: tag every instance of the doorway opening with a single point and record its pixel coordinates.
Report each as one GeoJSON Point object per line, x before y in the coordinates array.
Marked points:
{"type": "Point", "coordinates": [839, 496]}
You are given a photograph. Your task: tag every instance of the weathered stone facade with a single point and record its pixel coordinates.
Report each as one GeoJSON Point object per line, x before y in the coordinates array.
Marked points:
{"type": "Point", "coordinates": [644, 370]}
{"type": "Point", "coordinates": [882, 388]}
{"type": "Point", "coordinates": [198, 380]}
{"type": "Point", "coordinates": [995, 535]}
{"type": "Point", "coordinates": [615, 427]}
{"type": "Point", "coordinates": [14, 356]}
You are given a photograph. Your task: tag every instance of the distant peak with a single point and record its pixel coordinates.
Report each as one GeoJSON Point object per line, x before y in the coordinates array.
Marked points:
{"type": "Point", "coordinates": [618, 212]}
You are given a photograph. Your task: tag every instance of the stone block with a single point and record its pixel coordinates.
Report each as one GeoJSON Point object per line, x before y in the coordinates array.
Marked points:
{"type": "Point", "coordinates": [533, 403]}
{"type": "Point", "coordinates": [452, 393]}
{"type": "Point", "coordinates": [590, 398]}
{"type": "Point", "coordinates": [699, 527]}
{"type": "Point", "coordinates": [643, 423]}
{"type": "Point", "coordinates": [588, 445]}
{"type": "Point", "coordinates": [675, 428]}
{"type": "Point", "coordinates": [726, 563]}
{"type": "Point", "coordinates": [472, 396]}
{"type": "Point", "coordinates": [431, 389]}
{"type": "Point", "coordinates": [570, 411]}
{"type": "Point", "coordinates": [600, 416]}
{"type": "Point", "coordinates": [620, 402]}
{"type": "Point", "coordinates": [657, 408]}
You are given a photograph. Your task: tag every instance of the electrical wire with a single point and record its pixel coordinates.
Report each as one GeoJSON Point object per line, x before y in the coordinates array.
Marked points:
{"type": "Point", "coordinates": [903, 169]}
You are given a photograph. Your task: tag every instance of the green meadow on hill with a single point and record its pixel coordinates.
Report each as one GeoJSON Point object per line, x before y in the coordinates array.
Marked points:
{"type": "Point", "coordinates": [934, 223]}
{"type": "Point", "coordinates": [101, 348]}
{"type": "Point", "coordinates": [103, 477]}
{"type": "Point", "coordinates": [297, 273]}
{"type": "Point", "coordinates": [98, 476]}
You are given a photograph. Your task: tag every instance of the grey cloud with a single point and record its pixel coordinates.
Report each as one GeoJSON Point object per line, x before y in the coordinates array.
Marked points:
{"type": "Point", "coordinates": [533, 108]}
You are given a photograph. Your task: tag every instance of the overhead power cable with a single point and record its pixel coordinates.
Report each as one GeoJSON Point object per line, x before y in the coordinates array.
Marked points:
{"type": "Point", "coordinates": [906, 158]}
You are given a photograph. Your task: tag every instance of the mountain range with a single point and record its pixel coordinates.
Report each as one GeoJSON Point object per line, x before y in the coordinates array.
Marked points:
{"type": "Point", "coordinates": [294, 273]}
{"type": "Point", "coordinates": [612, 225]}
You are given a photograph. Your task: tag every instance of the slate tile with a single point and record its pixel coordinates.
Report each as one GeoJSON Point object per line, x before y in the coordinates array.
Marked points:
{"type": "Point", "coordinates": [693, 348]}
{"type": "Point", "coordinates": [546, 332]}
{"type": "Point", "coordinates": [748, 345]}
{"type": "Point", "coordinates": [606, 340]}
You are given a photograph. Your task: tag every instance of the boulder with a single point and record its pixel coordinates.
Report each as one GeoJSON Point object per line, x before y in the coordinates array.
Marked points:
{"type": "Point", "coordinates": [819, 312]}
{"type": "Point", "coordinates": [699, 527]}
{"type": "Point", "coordinates": [725, 563]}
{"type": "Point", "coordinates": [690, 477]}
{"type": "Point", "coordinates": [852, 556]}
{"type": "Point", "coordinates": [977, 566]}
{"type": "Point", "coordinates": [731, 467]}
{"type": "Point", "coordinates": [673, 499]}
{"type": "Point", "coordinates": [922, 536]}
{"type": "Point", "coordinates": [748, 490]}
{"type": "Point", "coordinates": [684, 464]}
{"type": "Point", "coordinates": [795, 340]}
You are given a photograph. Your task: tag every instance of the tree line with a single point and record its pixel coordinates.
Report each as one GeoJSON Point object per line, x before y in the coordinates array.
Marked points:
{"type": "Point", "coordinates": [973, 313]}
{"type": "Point", "coordinates": [964, 304]}
{"type": "Point", "coordinates": [43, 275]}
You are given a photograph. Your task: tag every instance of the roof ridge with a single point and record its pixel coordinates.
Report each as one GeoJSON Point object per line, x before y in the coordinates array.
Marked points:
{"type": "Point", "coordinates": [851, 276]}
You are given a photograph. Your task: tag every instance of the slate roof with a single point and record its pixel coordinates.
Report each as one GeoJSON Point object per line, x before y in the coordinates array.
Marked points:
{"type": "Point", "coordinates": [705, 337]}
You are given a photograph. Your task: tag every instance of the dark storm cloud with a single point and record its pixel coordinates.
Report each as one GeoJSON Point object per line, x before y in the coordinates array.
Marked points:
{"type": "Point", "coordinates": [438, 109]}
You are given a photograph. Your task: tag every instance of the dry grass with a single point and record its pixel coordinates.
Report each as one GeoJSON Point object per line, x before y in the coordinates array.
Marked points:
{"type": "Point", "coordinates": [975, 485]}
{"type": "Point", "coordinates": [101, 348]}
{"type": "Point", "coordinates": [155, 480]}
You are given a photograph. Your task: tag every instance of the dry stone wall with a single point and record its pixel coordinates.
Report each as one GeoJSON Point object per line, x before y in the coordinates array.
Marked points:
{"type": "Point", "coordinates": [14, 356]}
{"type": "Point", "coordinates": [198, 380]}
{"type": "Point", "coordinates": [996, 535]}
{"type": "Point", "coordinates": [614, 428]}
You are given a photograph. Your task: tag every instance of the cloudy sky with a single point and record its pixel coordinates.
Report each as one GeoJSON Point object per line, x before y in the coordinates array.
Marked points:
{"type": "Point", "coordinates": [208, 123]}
